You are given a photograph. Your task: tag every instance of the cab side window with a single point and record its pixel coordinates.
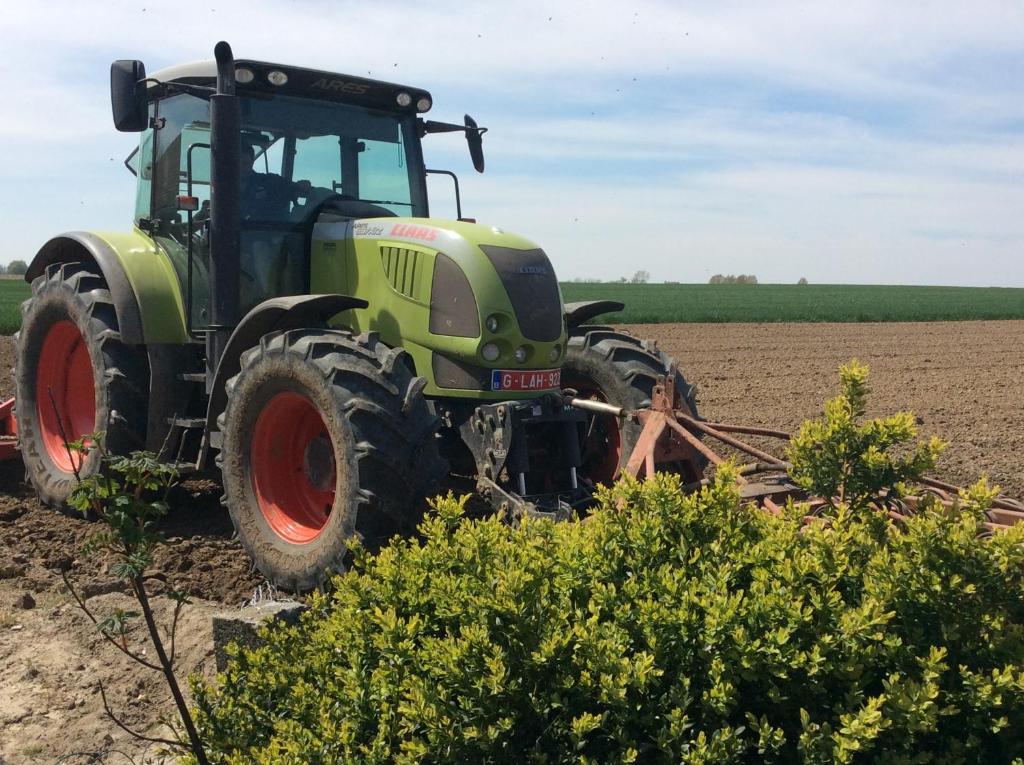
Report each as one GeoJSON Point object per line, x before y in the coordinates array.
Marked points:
{"type": "Point", "coordinates": [184, 120]}
{"type": "Point", "coordinates": [141, 163]}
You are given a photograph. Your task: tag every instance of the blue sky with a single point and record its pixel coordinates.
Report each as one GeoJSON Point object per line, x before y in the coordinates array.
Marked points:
{"type": "Point", "coordinates": [851, 142]}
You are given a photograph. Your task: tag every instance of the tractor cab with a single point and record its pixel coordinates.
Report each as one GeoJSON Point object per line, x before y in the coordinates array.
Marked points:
{"type": "Point", "coordinates": [309, 143]}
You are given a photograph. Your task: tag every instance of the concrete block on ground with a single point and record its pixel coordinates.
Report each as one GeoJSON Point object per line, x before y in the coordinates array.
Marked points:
{"type": "Point", "coordinates": [242, 625]}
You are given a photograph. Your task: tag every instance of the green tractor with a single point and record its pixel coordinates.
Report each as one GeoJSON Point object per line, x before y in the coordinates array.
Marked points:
{"type": "Point", "coordinates": [285, 311]}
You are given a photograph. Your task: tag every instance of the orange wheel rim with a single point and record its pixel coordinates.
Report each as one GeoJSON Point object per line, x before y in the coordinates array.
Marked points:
{"type": "Point", "coordinates": [602, 444]}
{"type": "Point", "coordinates": [65, 394]}
{"type": "Point", "coordinates": [292, 466]}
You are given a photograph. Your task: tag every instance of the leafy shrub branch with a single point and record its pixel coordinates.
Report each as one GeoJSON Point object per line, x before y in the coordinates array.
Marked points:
{"type": "Point", "coordinates": [129, 496]}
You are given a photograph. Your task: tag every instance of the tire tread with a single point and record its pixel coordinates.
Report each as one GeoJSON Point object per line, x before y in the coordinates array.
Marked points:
{"type": "Point", "coordinates": [395, 449]}
{"type": "Point", "coordinates": [122, 385]}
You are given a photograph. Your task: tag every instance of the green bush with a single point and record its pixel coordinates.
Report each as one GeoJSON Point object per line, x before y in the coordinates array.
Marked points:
{"type": "Point", "coordinates": [675, 629]}
{"type": "Point", "coordinates": [845, 460]}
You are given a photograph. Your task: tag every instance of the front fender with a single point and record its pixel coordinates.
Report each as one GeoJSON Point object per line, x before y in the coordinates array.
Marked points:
{"type": "Point", "coordinates": [578, 313]}
{"type": "Point", "coordinates": [272, 315]}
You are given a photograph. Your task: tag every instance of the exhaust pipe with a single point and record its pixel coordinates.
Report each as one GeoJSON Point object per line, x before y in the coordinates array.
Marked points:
{"type": "Point", "coordinates": [225, 212]}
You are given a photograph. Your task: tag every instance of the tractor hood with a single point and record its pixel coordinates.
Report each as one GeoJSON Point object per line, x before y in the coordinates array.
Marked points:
{"type": "Point", "coordinates": [471, 294]}
{"type": "Point", "coordinates": [521, 267]}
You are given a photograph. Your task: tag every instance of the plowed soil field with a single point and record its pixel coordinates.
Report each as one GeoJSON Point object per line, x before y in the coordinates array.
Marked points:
{"type": "Point", "coordinates": [964, 381]}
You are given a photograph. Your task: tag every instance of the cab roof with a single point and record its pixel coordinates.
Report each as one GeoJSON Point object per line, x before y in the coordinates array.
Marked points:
{"type": "Point", "coordinates": [309, 83]}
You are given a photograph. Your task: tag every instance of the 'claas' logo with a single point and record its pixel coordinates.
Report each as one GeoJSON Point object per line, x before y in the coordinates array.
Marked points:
{"type": "Point", "coordinates": [414, 232]}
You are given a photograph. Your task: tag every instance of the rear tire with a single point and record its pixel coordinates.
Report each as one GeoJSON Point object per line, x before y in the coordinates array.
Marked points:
{"type": "Point", "coordinates": [325, 436]}
{"type": "Point", "coordinates": [73, 375]}
{"type": "Point", "coordinates": [622, 370]}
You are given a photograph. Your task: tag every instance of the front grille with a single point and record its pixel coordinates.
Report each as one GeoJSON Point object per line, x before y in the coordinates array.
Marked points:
{"type": "Point", "coordinates": [403, 268]}
{"type": "Point", "coordinates": [532, 289]}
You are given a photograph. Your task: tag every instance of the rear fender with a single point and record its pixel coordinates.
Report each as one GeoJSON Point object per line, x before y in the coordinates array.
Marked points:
{"type": "Point", "coordinates": [274, 315]}
{"type": "Point", "coordinates": [140, 277]}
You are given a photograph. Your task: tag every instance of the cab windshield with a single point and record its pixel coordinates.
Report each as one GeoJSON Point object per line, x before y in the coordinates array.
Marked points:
{"type": "Point", "coordinates": [300, 157]}
{"type": "Point", "coordinates": [298, 154]}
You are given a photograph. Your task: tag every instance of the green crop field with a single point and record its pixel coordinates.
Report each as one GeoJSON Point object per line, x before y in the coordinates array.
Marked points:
{"type": "Point", "coordinates": [12, 293]}
{"type": "Point", "coordinates": [662, 303]}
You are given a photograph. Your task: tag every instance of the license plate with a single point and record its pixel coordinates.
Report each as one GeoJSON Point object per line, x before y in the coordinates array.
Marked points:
{"type": "Point", "coordinates": [526, 379]}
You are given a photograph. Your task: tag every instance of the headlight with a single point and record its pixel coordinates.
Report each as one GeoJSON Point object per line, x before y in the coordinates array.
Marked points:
{"type": "Point", "coordinates": [491, 323]}
{"type": "Point", "coordinates": [453, 310]}
{"type": "Point", "coordinates": [423, 105]}
{"type": "Point", "coordinates": [277, 77]}
{"type": "Point", "coordinates": [403, 99]}
{"type": "Point", "coordinates": [244, 75]}
{"type": "Point", "coordinates": [520, 354]}
{"type": "Point", "coordinates": [556, 351]}
{"type": "Point", "coordinates": [490, 352]}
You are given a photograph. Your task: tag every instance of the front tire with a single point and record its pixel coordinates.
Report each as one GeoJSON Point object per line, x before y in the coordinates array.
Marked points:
{"type": "Point", "coordinates": [326, 436]}
{"type": "Point", "coordinates": [73, 376]}
{"type": "Point", "coordinates": [622, 370]}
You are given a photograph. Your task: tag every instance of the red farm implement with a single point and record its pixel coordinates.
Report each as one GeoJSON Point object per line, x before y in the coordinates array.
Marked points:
{"type": "Point", "coordinates": [673, 435]}
{"type": "Point", "coordinates": [8, 431]}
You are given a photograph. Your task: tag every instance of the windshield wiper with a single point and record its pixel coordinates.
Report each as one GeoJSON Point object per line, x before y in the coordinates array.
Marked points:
{"type": "Point", "coordinates": [385, 202]}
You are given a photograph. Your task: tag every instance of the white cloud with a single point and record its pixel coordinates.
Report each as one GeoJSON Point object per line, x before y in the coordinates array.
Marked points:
{"type": "Point", "coordinates": [857, 141]}
{"type": "Point", "coordinates": [801, 223]}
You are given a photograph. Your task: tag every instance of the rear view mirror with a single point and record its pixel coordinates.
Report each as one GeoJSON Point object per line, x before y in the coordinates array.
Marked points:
{"type": "Point", "coordinates": [474, 137]}
{"type": "Point", "coordinates": [128, 96]}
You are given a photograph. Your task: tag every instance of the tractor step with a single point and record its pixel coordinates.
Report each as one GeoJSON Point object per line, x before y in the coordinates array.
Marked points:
{"type": "Point", "coordinates": [187, 422]}
{"type": "Point", "coordinates": [185, 426]}
{"type": "Point", "coordinates": [192, 377]}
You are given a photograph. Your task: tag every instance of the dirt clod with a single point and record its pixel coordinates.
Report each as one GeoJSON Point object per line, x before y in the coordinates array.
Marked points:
{"type": "Point", "coordinates": [11, 570]}
{"type": "Point", "coordinates": [12, 513]}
